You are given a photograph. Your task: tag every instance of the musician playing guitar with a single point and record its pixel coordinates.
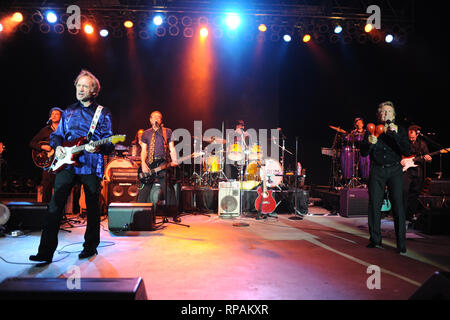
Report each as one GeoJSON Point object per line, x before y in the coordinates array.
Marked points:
{"type": "Point", "coordinates": [83, 122]}
{"type": "Point", "coordinates": [43, 152]}
{"type": "Point", "coordinates": [158, 148]}
{"type": "Point", "coordinates": [413, 177]}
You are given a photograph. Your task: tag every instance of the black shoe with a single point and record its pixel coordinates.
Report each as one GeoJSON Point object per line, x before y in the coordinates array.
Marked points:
{"type": "Point", "coordinates": [402, 251]}
{"type": "Point", "coordinates": [87, 253]}
{"type": "Point", "coordinates": [176, 219]}
{"type": "Point", "coordinates": [41, 258]}
{"type": "Point", "coordinates": [373, 245]}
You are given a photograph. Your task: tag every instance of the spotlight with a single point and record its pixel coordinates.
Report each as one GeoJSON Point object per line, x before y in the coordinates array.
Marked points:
{"type": "Point", "coordinates": [306, 38]}
{"type": "Point", "coordinates": [232, 20]}
{"type": "Point", "coordinates": [389, 38]}
{"type": "Point", "coordinates": [287, 38]}
{"type": "Point", "coordinates": [51, 17]}
{"type": "Point", "coordinates": [128, 24]}
{"type": "Point", "coordinates": [203, 32]}
{"type": "Point", "coordinates": [262, 28]}
{"type": "Point", "coordinates": [17, 17]}
{"type": "Point", "coordinates": [88, 29]}
{"type": "Point", "coordinates": [368, 28]}
{"type": "Point", "coordinates": [158, 20]}
{"type": "Point", "coordinates": [338, 29]}
{"type": "Point", "coordinates": [104, 33]}
{"type": "Point", "coordinates": [1, 27]}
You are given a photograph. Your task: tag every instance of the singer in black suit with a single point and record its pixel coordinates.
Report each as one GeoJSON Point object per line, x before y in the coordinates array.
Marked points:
{"type": "Point", "coordinates": [385, 170]}
{"type": "Point", "coordinates": [41, 142]}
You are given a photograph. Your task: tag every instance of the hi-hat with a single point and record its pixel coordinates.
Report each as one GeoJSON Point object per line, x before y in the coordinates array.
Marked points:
{"type": "Point", "coordinates": [120, 147]}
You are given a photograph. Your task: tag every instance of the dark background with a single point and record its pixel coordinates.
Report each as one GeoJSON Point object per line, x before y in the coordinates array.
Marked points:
{"type": "Point", "coordinates": [300, 88]}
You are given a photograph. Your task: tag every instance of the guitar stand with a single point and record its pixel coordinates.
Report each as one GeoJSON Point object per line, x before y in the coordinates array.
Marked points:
{"type": "Point", "coordinates": [68, 221]}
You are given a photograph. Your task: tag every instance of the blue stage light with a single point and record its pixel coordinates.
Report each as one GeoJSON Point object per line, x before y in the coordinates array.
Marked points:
{"type": "Point", "coordinates": [287, 38]}
{"type": "Point", "coordinates": [104, 33]}
{"type": "Point", "coordinates": [158, 20]}
{"type": "Point", "coordinates": [232, 20]}
{"type": "Point", "coordinates": [338, 29]}
{"type": "Point", "coordinates": [389, 38]}
{"type": "Point", "coordinates": [51, 17]}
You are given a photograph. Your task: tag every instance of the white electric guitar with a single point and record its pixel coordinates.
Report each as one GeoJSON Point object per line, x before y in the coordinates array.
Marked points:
{"type": "Point", "coordinates": [68, 153]}
{"type": "Point", "coordinates": [408, 162]}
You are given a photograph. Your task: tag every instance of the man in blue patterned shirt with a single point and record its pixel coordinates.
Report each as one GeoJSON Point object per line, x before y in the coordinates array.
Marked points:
{"type": "Point", "coordinates": [75, 123]}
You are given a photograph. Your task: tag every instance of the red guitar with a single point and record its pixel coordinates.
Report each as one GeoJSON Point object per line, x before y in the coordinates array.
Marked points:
{"type": "Point", "coordinates": [265, 203]}
{"type": "Point", "coordinates": [70, 150]}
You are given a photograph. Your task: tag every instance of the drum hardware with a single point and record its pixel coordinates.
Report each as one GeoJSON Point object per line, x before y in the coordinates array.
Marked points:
{"type": "Point", "coordinates": [297, 214]}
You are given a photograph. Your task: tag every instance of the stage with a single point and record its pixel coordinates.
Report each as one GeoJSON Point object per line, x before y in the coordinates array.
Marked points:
{"type": "Point", "coordinates": [321, 257]}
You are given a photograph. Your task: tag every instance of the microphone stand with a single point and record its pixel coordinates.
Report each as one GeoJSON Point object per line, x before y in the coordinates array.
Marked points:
{"type": "Point", "coordinates": [297, 214]}
{"type": "Point", "coordinates": [241, 191]}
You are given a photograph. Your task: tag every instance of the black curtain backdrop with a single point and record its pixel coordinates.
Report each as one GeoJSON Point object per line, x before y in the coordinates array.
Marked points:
{"type": "Point", "coordinates": [301, 88]}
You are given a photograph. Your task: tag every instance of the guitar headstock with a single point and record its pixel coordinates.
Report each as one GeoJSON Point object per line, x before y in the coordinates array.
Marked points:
{"type": "Point", "coordinates": [446, 150]}
{"type": "Point", "coordinates": [118, 138]}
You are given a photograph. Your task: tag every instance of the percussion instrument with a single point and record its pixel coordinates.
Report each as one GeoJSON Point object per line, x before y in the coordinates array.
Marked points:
{"type": "Point", "coordinates": [255, 153]}
{"type": "Point", "coordinates": [274, 172]}
{"type": "Point", "coordinates": [235, 152]}
{"type": "Point", "coordinates": [212, 164]}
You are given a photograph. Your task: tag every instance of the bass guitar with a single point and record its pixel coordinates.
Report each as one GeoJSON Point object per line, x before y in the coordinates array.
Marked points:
{"type": "Point", "coordinates": [148, 177]}
{"type": "Point", "coordinates": [408, 162]}
{"type": "Point", "coordinates": [41, 158]}
{"type": "Point", "coordinates": [264, 203]}
{"type": "Point", "coordinates": [70, 151]}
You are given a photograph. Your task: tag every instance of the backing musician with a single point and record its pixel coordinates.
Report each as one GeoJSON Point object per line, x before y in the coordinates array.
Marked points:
{"type": "Point", "coordinates": [41, 142]}
{"type": "Point", "coordinates": [413, 177]}
{"type": "Point", "coordinates": [158, 147]}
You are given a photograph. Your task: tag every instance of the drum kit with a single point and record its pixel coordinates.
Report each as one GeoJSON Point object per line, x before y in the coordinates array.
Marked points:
{"type": "Point", "coordinates": [246, 159]}
{"type": "Point", "coordinates": [121, 158]}
{"type": "Point", "coordinates": [349, 168]}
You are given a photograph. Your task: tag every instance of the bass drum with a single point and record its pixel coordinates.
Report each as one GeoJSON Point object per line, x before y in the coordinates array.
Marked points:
{"type": "Point", "coordinates": [117, 163]}
{"type": "Point", "coordinates": [273, 172]}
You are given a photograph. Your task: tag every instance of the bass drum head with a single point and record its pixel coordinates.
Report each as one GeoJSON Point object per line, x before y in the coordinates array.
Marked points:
{"type": "Point", "coordinates": [272, 169]}
{"type": "Point", "coordinates": [117, 163]}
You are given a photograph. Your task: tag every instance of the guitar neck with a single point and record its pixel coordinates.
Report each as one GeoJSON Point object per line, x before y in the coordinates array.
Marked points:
{"type": "Point", "coordinates": [95, 144]}
{"type": "Point", "coordinates": [433, 153]}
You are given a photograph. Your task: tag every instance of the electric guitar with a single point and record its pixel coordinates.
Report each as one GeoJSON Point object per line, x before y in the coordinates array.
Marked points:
{"type": "Point", "coordinates": [264, 203]}
{"type": "Point", "coordinates": [148, 177]}
{"type": "Point", "coordinates": [41, 158]}
{"type": "Point", "coordinates": [70, 151]}
{"type": "Point", "coordinates": [2, 147]}
{"type": "Point", "coordinates": [409, 161]}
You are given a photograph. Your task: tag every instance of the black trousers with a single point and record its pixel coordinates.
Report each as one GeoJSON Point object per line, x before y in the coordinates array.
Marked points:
{"type": "Point", "coordinates": [64, 181]}
{"type": "Point", "coordinates": [162, 188]}
{"type": "Point", "coordinates": [47, 182]}
{"type": "Point", "coordinates": [379, 178]}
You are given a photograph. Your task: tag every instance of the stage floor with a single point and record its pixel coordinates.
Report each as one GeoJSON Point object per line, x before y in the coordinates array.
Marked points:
{"type": "Point", "coordinates": [320, 257]}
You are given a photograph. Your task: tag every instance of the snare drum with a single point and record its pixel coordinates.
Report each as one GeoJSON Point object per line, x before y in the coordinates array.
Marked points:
{"type": "Point", "coordinates": [117, 163]}
{"type": "Point", "coordinates": [235, 152]}
{"type": "Point", "coordinates": [255, 153]}
{"type": "Point", "coordinates": [273, 172]}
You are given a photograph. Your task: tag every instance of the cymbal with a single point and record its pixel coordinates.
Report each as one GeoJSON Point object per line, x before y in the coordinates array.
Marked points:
{"type": "Point", "coordinates": [338, 129]}
{"type": "Point", "coordinates": [215, 140]}
{"type": "Point", "coordinates": [120, 147]}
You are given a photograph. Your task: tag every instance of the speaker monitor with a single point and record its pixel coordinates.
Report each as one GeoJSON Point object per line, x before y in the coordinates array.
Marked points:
{"type": "Point", "coordinates": [354, 202]}
{"type": "Point", "coordinates": [229, 199]}
{"type": "Point", "coordinates": [26, 215]}
{"type": "Point", "coordinates": [437, 287]}
{"type": "Point", "coordinates": [122, 191]}
{"type": "Point", "coordinates": [439, 187]}
{"type": "Point", "coordinates": [68, 289]}
{"type": "Point", "coordinates": [131, 217]}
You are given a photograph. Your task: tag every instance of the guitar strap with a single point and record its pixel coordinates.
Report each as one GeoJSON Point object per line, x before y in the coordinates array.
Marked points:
{"type": "Point", "coordinates": [97, 114]}
{"type": "Point", "coordinates": [165, 140]}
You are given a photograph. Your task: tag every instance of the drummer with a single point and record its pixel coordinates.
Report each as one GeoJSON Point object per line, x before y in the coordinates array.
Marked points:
{"type": "Point", "coordinates": [136, 144]}
{"type": "Point", "coordinates": [237, 140]}
{"type": "Point", "coordinates": [355, 137]}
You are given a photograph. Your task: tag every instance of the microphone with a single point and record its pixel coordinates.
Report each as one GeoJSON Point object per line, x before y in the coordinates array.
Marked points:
{"type": "Point", "coordinates": [49, 120]}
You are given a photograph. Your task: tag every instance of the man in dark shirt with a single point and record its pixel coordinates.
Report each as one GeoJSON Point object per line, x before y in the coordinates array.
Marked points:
{"type": "Point", "coordinates": [75, 123]}
{"type": "Point", "coordinates": [413, 177]}
{"type": "Point", "coordinates": [385, 153]}
{"type": "Point", "coordinates": [158, 147]}
{"type": "Point", "coordinates": [41, 143]}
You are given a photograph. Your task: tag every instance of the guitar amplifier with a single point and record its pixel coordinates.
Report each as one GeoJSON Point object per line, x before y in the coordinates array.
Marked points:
{"type": "Point", "coordinates": [439, 187]}
{"type": "Point", "coordinates": [124, 174]}
{"type": "Point", "coordinates": [354, 202]}
{"type": "Point", "coordinates": [229, 203]}
{"type": "Point", "coordinates": [131, 217]}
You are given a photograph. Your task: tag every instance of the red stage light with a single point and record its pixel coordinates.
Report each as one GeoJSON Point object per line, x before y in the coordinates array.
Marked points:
{"type": "Point", "coordinates": [306, 38]}
{"type": "Point", "coordinates": [17, 17]}
{"type": "Point", "coordinates": [203, 32]}
{"type": "Point", "coordinates": [88, 29]}
{"type": "Point", "coordinates": [368, 27]}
